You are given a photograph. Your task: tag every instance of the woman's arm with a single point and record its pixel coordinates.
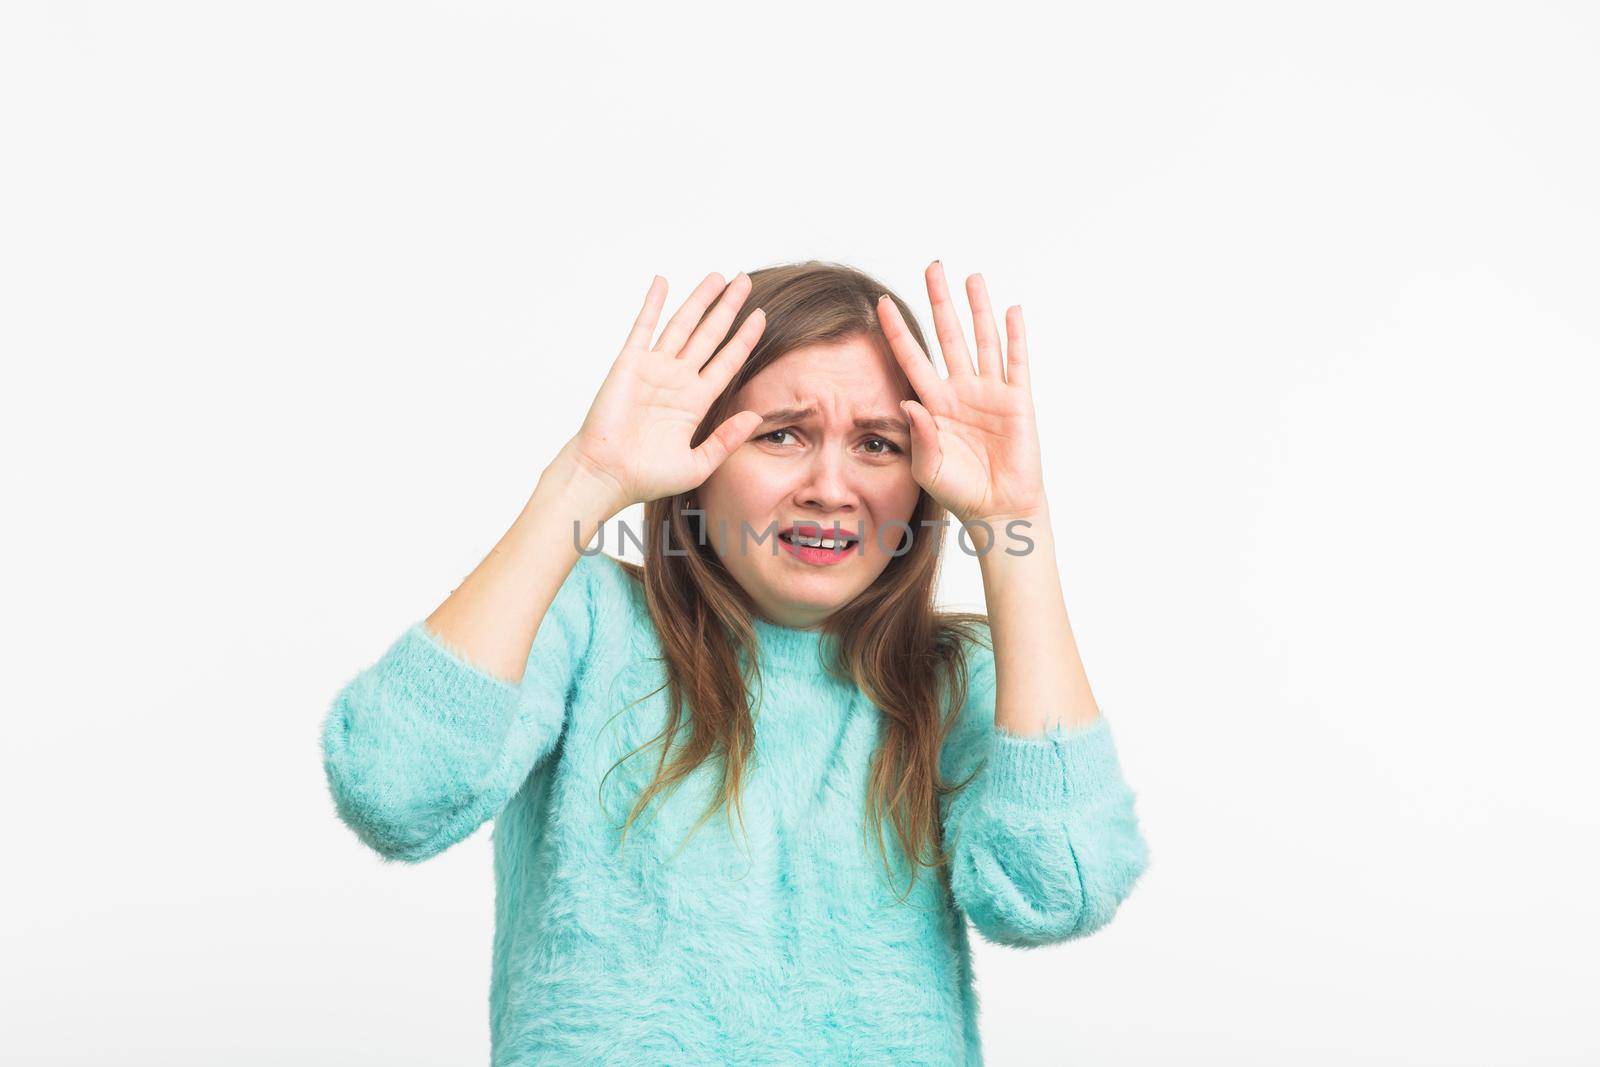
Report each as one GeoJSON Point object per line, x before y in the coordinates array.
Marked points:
{"type": "Point", "coordinates": [433, 740]}
{"type": "Point", "coordinates": [436, 737]}
{"type": "Point", "coordinates": [975, 449]}
{"type": "Point", "coordinates": [1045, 843]}
{"type": "Point", "coordinates": [494, 614]}
{"type": "Point", "coordinates": [1043, 840]}
{"type": "Point", "coordinates": [1040, 680]}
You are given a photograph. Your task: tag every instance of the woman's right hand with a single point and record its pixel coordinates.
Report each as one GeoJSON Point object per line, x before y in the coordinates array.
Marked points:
{"type": "Point", "coordinates": [637, 432]}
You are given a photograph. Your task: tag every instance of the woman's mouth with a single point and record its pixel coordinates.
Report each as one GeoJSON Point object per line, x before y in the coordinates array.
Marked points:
{"type": "Point", "coordinates": [817, 548]}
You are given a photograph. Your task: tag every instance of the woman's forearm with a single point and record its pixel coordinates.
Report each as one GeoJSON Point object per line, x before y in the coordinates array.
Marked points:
{"type": "Point", "coordinates": [494, 615]}
{"type": "Point", "coordinates": [1040, 682]}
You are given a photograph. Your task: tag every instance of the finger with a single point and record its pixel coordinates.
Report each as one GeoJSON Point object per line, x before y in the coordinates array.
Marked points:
{"type": "Point", "coordinates": [721, 368]}
{"type": "Point", "coordinates": [952, 340]}
{"type": "Point", "coordinates": [734, 431]}
{"type": "Point", "coordinates": [989, 355]}
{"type": "Point", "coordinates": [924, 434]}
{"type": "Point", "coordinates": [713, 328]}
{"type": "Point", "coordinates": [918, 368]}
{"type": "Point", "coordinates": [644, 327]}
{"type": "Point", "coordinates": [1016, 348]}
{"type": "Point", "coordinates": [679, 326]}
{"type": "Point", "coordinates": [925, 452]}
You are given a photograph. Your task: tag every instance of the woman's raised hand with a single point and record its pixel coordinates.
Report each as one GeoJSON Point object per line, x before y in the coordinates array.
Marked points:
{"type": "Point", "coordinates": [637, 432]}
{"type": "Point", "coordinates": [974, 440]}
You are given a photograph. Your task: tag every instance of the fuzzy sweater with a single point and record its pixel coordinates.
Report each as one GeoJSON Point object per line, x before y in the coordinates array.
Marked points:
{"type": "Point", "coordinates": [780, 942]}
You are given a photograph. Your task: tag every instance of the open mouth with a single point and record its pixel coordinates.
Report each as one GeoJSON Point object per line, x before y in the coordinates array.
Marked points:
{"type": "Point", "coordinates": [817, 544]}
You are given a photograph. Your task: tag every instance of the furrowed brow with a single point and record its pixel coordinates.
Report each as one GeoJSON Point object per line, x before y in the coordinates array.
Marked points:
{"type": "Point", "coordinates": [883, 424]}
{"type": "Point", "coordinates": [788, 415]}
{"type": "Point", "coordinates": [878, 423]}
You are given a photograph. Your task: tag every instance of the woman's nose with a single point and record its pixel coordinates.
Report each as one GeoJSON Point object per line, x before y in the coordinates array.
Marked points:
{"type": "Point", "coordinates": [826, 487]}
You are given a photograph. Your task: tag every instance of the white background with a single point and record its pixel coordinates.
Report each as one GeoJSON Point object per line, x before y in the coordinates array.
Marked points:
{"type": "Point", "coordinates": [299, 298]}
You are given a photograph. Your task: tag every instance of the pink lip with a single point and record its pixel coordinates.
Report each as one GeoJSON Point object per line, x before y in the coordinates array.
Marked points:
{"type": "Point", "coordinates": [822, 557]}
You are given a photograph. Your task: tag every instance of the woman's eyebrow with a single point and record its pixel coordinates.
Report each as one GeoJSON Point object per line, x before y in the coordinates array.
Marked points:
{"type": "Point", "coordinates": [788, 415]}
{"type": "Point", "coordinates": [884, 424]}
{"type": "Point", "coordinates": [879, 423]}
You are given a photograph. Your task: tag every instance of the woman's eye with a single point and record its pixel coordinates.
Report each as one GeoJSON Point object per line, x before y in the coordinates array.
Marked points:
{"type": "Point", "coordinates": [889, 447]}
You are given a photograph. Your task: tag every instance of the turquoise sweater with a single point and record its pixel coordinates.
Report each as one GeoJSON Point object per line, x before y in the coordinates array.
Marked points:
{"type": "Point", "coordinates": [791, 949]}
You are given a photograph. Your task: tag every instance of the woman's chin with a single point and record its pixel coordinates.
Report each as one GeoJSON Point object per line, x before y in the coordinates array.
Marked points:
{"type": "Point", "coordinates": [822, 590]}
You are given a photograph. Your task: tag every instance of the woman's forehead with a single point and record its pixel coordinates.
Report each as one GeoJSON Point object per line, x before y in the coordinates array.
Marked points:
{"type": "Point", "coordinates": [835, 379]}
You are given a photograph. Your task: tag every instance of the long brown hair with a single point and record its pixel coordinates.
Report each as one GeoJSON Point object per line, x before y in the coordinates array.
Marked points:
{"type": "Point", "coordinates": [907, 657]}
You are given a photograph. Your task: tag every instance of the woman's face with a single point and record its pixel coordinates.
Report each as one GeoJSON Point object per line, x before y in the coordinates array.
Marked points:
{"type": "Point", "coordinates": [833, 447]}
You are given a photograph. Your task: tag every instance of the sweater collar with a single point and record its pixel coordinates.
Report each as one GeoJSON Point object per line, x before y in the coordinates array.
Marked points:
{"type": "Point", "coordinates": [788, 648]}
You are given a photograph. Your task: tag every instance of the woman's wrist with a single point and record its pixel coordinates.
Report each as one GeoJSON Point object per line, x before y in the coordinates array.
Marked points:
{"type": "Point", "coordinates": [575, 493]}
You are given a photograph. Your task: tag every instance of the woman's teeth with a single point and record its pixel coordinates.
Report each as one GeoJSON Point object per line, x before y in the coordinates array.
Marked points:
{"type": "Point", "coordinates": [815, 542]}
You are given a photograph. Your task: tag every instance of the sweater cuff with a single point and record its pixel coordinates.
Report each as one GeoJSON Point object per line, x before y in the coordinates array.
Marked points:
{"type": "Point", "coordinates": [1066, 766]}
{"type": "Point", "coordinates": [442, 679]}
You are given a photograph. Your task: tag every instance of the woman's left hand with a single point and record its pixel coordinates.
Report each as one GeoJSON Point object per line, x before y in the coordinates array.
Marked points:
{"type": "Point", "coordinates": [974, 440]}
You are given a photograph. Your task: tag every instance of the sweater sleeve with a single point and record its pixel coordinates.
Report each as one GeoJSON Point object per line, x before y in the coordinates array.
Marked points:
{"type": "Point", "coordinates": [1044, 842]}
{"type": "Point", "coordinates": [423, 746]}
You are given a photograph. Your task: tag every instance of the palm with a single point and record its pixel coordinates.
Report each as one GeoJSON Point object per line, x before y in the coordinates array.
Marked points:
{"type": "Point", "coordinates": [975, 444]}
{"type": "Point", "coordinates": [640, 427]}
{"type": "Point", "coordinates": [987, 458]}
{"type": "Point", "coordinates": [638, 431]}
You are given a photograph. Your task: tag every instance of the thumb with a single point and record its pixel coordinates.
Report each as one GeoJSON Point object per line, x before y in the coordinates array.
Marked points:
{"type": "Point", "coordinates": [733, 432]}
{"type": "Point", "coordinates": [924, 431]}
{"type": "Point", "coordinates": [925, 452]}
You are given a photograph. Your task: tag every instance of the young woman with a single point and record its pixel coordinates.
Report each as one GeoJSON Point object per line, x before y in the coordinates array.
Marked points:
{"type": "Point", "coordinates": [778, 663]}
